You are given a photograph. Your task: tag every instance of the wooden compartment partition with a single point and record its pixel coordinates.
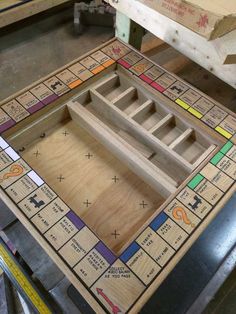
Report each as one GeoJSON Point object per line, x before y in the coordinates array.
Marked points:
{"type": "Point", "coordinates": [147, 120]}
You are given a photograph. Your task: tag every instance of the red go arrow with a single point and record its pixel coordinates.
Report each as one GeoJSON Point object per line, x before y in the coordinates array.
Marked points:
{"type": "Point", "coordinates": [115, 308]}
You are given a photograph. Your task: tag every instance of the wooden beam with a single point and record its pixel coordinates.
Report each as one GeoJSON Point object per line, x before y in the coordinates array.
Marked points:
{"type": "Point", "coordinates": [210, 19]}
{"type": "Point", "coordinates": [128, 30]}
{"type": "Point", "coordinates": [226, 48]}
{"type": "Point", "coordinates": [26, 10]}
{"type": "Point", "coordinates": [177, 64]}
{"type": "Point", "coordinates": [152, 45]}
{"type": "Point", "coordinates": [184, 40]}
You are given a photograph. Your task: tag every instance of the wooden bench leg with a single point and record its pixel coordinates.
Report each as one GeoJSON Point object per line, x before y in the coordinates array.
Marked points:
{"type": "Point", "coordinates": [129, 31]}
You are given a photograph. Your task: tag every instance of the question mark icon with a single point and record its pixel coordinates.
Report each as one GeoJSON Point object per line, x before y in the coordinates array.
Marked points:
{"type": "Point", "coordinates": [15, 171]}
{"type": "Point", "coordinates": [139, 67]}
{"type": "Point", "coordinates": [180, 214]}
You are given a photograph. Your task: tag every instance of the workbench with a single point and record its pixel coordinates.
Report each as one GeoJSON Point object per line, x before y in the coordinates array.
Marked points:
{"type": "Point", "coordinates": [12, 11]}
{"type": "Point", "coordinates": [217, 55]}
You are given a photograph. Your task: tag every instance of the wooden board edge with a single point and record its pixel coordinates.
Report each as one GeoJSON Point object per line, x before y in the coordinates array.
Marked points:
{"type": "Point", "coordinates": [28, 9]}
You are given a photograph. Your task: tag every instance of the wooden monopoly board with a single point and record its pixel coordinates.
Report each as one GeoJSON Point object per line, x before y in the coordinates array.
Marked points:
{"type": "Point", "coordinates": [115, 166]}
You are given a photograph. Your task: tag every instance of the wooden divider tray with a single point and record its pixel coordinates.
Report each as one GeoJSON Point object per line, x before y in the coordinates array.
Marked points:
{"type": "Point", "coordinates": [117, 173]}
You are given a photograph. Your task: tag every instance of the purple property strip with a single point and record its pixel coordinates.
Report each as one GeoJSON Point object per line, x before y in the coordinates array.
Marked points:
{"type": "Point", "coordinates": [36, 107]}
{"type": "Point", "coordinates": [50, 99]}
{"type": "Point", "coordinates": [105, 252]}
{"type": "Point", "coordinates": [75, 220]}
{"type": "Point", "coordinates": [6, 125]}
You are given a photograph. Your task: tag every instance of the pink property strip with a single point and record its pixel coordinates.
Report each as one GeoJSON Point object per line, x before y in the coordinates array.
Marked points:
{"type": "Point", "coordinates": [158, 87]}
{"type": "Point", "coordinates": [145, 78]}
{"type": "Point", "coordinates": [124, 63]}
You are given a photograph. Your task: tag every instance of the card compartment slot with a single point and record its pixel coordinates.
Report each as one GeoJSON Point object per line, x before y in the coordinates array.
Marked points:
{"type": "Point", "coordinates": [150, 115]}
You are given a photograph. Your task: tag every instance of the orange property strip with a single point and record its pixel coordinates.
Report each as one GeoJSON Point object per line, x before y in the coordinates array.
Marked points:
{"type": "Point", "coordinates": [108, 63]}
{"type": "Point", "coordinates": [75, 84]}
{"type": "Point", "coordinates": [98, 69]}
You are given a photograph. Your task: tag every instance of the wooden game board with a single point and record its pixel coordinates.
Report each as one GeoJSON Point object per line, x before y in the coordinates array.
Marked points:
{"type": "Point", "coordinates": [116, 167]}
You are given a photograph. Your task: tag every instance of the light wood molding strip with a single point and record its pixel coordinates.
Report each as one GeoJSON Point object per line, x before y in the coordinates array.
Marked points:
{"type": "Point", "coordinates": [161, 123]}
{"type": "Point", "coordinates": [204, 155]}
{"type": "Point", "coordinates": [123, 97]}
{"type": "Point", "coordinates": [147, 103]}
{"type": "Point", "coordinates": [184, 136]}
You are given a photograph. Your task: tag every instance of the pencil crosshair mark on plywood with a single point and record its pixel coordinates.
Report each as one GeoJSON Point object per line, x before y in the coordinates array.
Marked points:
{"type": "Point", "coordinates": [89, 156]}
{"type": "Point", "coordinates": [115, 179]}
{"type": "Point", "coordinates": [65, 133]}
{"type": "Point", "coordinates": [37, 153]}
{"type": "Point", "coordinates": [60, 178]}
{"type": "Point", "coordinates": [143, 204]}
{"type": "Point", "coordinates": [115, 234]}
{"type": "Point", "coordinates": [87, 203]}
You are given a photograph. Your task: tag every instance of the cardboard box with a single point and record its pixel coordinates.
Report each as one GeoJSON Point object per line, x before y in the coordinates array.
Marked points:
{"type": "Point", "coordinates": [210, 19]}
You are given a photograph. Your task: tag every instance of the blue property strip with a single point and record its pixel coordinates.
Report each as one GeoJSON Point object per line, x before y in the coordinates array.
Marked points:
{"type": "Point", "coordinates": [158, 221]}
{"type": "Point", "coordinates": [129, 252]}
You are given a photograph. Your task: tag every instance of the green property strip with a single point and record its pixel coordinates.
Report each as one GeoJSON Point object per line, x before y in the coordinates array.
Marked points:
{"type": "Point", "coordinates": [226, 147]}
{"type": "Point", "coordinates": [195, 181]}
{"type": "Point", "coordinates": [217, 158]}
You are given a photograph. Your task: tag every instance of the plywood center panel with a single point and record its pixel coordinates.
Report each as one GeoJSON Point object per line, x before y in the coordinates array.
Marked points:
{"type": "Point", "coordinates": [111, 199]}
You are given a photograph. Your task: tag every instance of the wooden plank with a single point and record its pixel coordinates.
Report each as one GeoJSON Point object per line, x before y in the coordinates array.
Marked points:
{"type": "Point", "coordinates": [178, 64]}
{"type": "Point", "coordinates": [26, 10]}
{"type": "Point", "coordinates": [152, 45]}
{"type": "Point", "coordinates": [7, 4]}
{"type": "Point", "coordinates": [226, 48]}
{"type": "Point", "coordinates": [207, 18]}
{"type": "Point", "coordinates": [129, 31]}
{"type": "Point", "coordinates": [188, 43]}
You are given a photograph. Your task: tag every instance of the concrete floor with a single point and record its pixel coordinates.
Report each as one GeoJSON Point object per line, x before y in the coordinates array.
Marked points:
{"type": "Point", "coordinates": [224, 302]}
{"type": "Point", "coordinates": [33, 49]}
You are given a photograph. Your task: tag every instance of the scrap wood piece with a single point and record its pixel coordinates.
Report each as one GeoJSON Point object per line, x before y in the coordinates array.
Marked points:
{"type": "Point", "coordinates": [226, 48]}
